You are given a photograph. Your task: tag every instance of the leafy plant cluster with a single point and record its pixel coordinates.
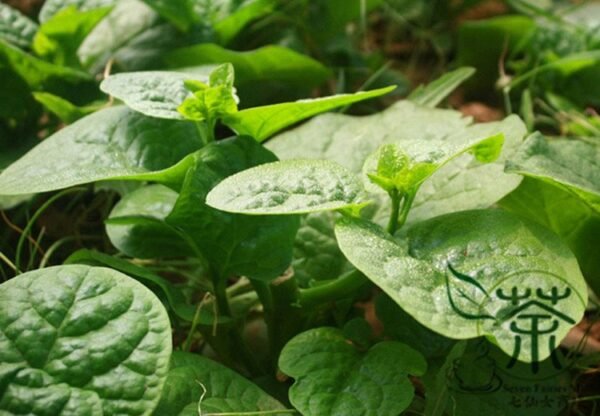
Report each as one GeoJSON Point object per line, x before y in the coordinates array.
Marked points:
{"type": "Point", "coordinates": [267, 256]}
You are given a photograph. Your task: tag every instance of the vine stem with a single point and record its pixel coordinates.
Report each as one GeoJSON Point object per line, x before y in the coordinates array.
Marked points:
{"type": "Point", "coordinates": [336, 289]}
{"type": "Point", "coordinates": [393, 222]}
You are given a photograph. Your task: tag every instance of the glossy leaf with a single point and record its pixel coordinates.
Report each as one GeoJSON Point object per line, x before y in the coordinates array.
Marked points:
{"type": "Point", "coordinates": [435, 92]}
{"type": "Point", "coordinates": [266, 63]}
{"type": "Point", "coordinates": [259, 247]}
{"type": "Point", "coordinates": [52, 7]}
{"type": "Point", "coordinates": [564, 213]}
{"type": "Point", "coordinates": [198, 385]}
{"type": "Point", "coordinates": [15, 27]}
{"type": "Point", "coordinates": [136, 224]}
{"type": "Point", "coordinates": [570, 164]}
{"type": "Point", "coordinates": [112, 143]}
{"type": "Point", "coordinates": [79, 339]}
{"type": "Point", "coordinates": [133, 36]}
{"type": "Point", "coordinates": [333, 378]}
{"type": "Point", "coordinates": [474, 273]}
{"type": "Point", "coordinates": [164, 289]}
{"type": "Point", "coordinates": [461, 184]}
{"type": "Point", "coordinates": [290, 187]}
{"type": "Point", "coordinates": [153, 93]}
{"type": "Point", "coordinates": [262, 122]}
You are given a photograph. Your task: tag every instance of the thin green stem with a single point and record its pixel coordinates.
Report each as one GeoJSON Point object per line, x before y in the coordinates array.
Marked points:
{"type": "Point", "coordinates": [333, 290]}
{"type": "Point", "coordinates": [406, 206]}
{"type": "Point", "coordinates": [34, 218]}
{"type": "Point", "coordinates": [393, 222]}
{"type": "Point", "coordinates": [506, 97]}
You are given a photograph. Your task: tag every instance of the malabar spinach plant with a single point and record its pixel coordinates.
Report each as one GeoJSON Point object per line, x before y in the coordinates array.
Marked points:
{"type": "Point", "coordinates": [409, 261]}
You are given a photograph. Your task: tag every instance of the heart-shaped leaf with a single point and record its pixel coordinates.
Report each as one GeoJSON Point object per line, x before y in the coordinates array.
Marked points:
{"type": "Point", "coordinates": [569, 163]}
{"type": "Point", "coordinates": [476, 273]}
{"type": "Point", "coordinates": [52, 7]}
{"type": "Point", "coordinates": [197, 385]}
{"type": "Point", "coordinates": [289, 187]}
{"type": "Point", "coordinates": [112, 143]}
{"type": "Point", "coordinates": [333, 378]}
{"type": "Point", "coordinates": [81, 340]}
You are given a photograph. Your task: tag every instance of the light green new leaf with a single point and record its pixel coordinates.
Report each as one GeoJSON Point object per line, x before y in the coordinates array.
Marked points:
{"type": "Point", "coordinates": [63, 109]}
{"type": "Point", "coordinates": [289, 187]}
{"type": "Point", "coordinates": [262, 122]}
{"type": "Point", "coordinates": [475, 273]}
{"type": "Point", "coordinates": [15, 27]}
{"type": "Point", "coordinates": [198, 385]}
{"type": "Point", "coordinates": [179, 12]}
{"type": "Point", "coordinates": [81, 340]}
{"type": "Point", "coordinates": [333, 378]}
{"type": "Point", "coordinates": [569, 163]}
{"type": "Point", "coordinates": [109, 144]}
{"type": "Point", "coordinates": [463, 183]}
{"type": "Point", "coordinates": [153, 93]}
{"type": "Point", "coordinates": [59, 37]}
{"type": "Point", "coordinates": [52, 7]}
{"type": "Point", "coordinates": [273, 63]}
{"type": "Point", "coordinates": [436, 91]}
{"type": "Point", "coordinates": [259, 247]}
{"type": "Point", "coordinates": [213, 101]}
{"type": "Point", "coordinates": [136, 224]}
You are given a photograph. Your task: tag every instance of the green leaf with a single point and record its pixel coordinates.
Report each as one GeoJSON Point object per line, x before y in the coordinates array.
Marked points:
{"type": "Point", "coordinates": [435, 92]}
{"type": "Point", "coordinates": [63, 109]}
{"type": "Point", "coordinates": [289, 187]}
{"type": "Point", "coordinates": [213, 101]}
{"type": "Point", "coordinates": [15, 27]}
{"type": "Point", "coordinates": [136, 224]}
{"type": "Point", "coordinates": [109, 144]}
{"type": "Point", "coordinates": [316, 252]}
{"type": "Point", "coordinates": [259, 247]}
{"type": "Point", "coordinates": [262, 122]}
{"type": "Point", "coordinates": [180, 13]}
{"type": "Point", "coordinates": [153, 93]}
{"type": "Point", "coordinates": [230, 26]}
{"type": "Point", "coordinates": [400, 326]}
{"type": "Point", "coordinates": [198, 385]}
{"type": "Point", "coordinates": [81, 340]}
{"type": "Point", "coordinates": [475, 273]}
{"type": "Point", "coordinates": [568, 163]}
{"type": "Point", "coordinates": [132, 36]}
{"type": "Point", "coordinates": [38, 74]}
{"type": "Point", "coordinates": [52, 7]}
{"type": "Point", "coordinates": [59, 37]}
{"type": "Point", "coordinates": [564, 213]}
{"type": "Point", "coordinates": [272, 63]}
{"type": "Point", "coordinates": [461, 184]}
{"type": "Point", "coordinates": [163, 288]}
{"type": "Point", "coordinates": [333, 378]}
